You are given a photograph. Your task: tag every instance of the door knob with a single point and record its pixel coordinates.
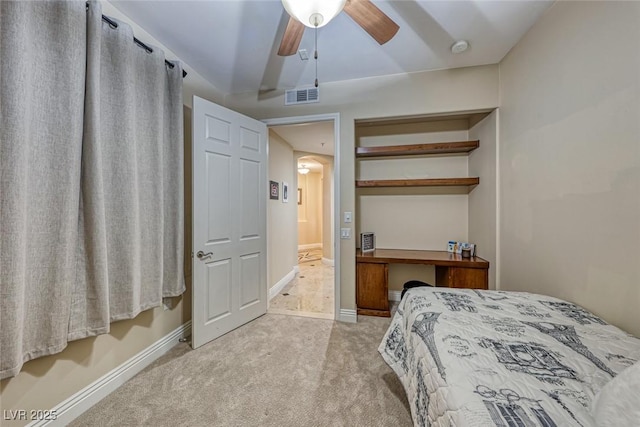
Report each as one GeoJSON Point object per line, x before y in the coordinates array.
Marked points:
{"type": "Point", "coordinates": [202, 255]}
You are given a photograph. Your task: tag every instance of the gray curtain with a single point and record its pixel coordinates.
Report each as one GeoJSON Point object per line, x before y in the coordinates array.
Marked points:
{"type": "Point", "coordinates": [92, 161]}
{"type": "Point", "coordinates": [43, 49]}
{"type": "Point", "coordinates": [131, 234]}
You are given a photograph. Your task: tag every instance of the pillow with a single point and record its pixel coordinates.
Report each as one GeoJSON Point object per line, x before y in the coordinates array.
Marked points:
{"type": "Point", "coordinates": [618, 403]}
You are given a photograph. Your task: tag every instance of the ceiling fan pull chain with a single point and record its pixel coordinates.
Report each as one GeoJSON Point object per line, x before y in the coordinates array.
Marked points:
{"type": "Point", "coordinates": [315, 54]}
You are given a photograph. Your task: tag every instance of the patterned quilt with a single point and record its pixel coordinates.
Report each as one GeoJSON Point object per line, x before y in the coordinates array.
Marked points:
{"type": "Point", "coordinates": [483, 358]}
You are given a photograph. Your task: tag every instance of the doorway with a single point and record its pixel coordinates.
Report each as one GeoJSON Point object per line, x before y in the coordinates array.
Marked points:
{"type": "Point", "coordinates": [303, 233]}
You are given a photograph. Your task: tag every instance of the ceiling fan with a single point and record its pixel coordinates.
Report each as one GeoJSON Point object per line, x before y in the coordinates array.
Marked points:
{"type": "Point", "coordinates": [315, 14]}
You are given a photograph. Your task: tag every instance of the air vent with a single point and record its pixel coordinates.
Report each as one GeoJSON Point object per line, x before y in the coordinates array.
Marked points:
{"type": "Point", "coordinates": [301, 96]}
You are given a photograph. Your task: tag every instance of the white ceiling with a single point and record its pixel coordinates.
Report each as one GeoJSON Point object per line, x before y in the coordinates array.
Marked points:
{"type": "Point", "coordinates": [233, 44]}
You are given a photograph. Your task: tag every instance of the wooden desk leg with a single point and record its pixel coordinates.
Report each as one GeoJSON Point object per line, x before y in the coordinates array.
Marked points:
{"type": "Point", "coordinates": [372, 284]}
{"type": "Point", "coordinates": [458, 277]}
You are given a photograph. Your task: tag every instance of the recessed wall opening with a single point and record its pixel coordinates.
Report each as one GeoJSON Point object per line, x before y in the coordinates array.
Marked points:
{"type": "Point", "coordinates": [422, 181]}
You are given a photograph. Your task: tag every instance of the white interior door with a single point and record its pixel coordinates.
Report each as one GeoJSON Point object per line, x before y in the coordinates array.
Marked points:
{"type": "Point", "coordinates": [229, 220]}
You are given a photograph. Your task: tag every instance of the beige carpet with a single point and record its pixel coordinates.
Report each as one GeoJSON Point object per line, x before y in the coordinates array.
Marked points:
{"type": "Point", "coordinates": [276, 371]}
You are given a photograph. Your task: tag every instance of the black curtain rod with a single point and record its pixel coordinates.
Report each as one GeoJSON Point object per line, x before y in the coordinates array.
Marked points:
{"type": "Point", "coordinates": [114, 24]}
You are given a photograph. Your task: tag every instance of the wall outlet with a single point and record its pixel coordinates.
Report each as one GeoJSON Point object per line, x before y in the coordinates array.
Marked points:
{"type": "Point", "coordinates": [348, 217]}
{"type": "Point", "coordinates": [345, 233]}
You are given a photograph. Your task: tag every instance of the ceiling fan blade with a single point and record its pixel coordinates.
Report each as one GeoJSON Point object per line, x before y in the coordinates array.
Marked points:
{"type": "Point", "coordinates": [291, 38]}
{"type": "Point", "coordinates": [372, 20]}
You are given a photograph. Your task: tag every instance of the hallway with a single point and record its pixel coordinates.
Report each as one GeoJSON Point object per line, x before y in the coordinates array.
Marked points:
{"type": "Point", "coordinates": [310, 293]}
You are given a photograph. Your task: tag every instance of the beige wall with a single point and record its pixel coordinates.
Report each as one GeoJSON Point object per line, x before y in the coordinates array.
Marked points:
{"type": "Point", "coordinates": [281, 217]}
{"type": "Point", "coordinates": [483, 199]}
{"type": "Point", "coordinates": [570, 159]}
{"type": "Point", "coordinates": [473, 88]}
{"type": "Point", "coordinates": [310, 211]}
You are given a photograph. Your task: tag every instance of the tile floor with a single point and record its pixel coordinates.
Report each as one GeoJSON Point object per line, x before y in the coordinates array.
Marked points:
{"type": "Point", "coordinates": [310, 293]}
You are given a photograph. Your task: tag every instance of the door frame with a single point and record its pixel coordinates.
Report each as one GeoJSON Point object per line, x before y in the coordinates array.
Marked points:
{"type": "Point", "coordinates": [335, 117]}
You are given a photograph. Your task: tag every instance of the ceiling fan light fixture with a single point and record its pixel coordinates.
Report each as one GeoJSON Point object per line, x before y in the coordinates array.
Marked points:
{"type": "Point", "coordinates": [313, 13]}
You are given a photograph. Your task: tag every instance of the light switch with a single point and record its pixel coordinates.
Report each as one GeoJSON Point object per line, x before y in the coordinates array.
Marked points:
{"type": "Point", "coordinates": [347, 217]}
{"type": "Point", "coordinates": [345, 233]}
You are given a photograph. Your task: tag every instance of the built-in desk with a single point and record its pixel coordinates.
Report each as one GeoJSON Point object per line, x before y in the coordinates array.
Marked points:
{"type": "Point", "coordinates": [372, 274]}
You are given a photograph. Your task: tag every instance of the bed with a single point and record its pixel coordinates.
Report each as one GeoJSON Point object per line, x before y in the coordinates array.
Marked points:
{"type": "Point", "coordinates": [492, 358]}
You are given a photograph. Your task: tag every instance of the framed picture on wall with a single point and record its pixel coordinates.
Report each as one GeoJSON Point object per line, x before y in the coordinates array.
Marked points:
{"type": "Point", "coordinates": [274, 190]}
{"type": "Point", "coordinates": [285, 192]}
{"type": "Point", "coordinates": [299, 196]}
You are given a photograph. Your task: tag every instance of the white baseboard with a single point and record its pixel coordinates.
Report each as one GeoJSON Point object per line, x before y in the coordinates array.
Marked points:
{"type": "Point", "coordinates": [327, 261]}
{"type": "Point", "coordinates": [296, 269]}
{"type": "Point", "coordinates": [348, 315]}
{"type": "Point", "coordinates": [80, 402]}
{"type": "Point", "coordinates": [395, 295]}
{"type": "Point", "coordinates": [275, 289]}
{"type": "Point", "coordinates": [310, 246]}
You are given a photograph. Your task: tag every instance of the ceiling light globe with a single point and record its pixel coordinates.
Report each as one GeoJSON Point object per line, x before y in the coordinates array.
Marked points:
{"type": "Point", "coordinates": [313, 13]}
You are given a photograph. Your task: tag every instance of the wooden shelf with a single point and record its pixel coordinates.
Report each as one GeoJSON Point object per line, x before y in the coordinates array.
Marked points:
{"type": "Point", "coordinates": [418, 149]}
{"type": "Point", "coordinates": [431, 182]}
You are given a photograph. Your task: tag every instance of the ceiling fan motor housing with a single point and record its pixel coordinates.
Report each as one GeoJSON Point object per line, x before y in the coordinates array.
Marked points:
{"type": "Point", "coordinates": [318, 13]}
